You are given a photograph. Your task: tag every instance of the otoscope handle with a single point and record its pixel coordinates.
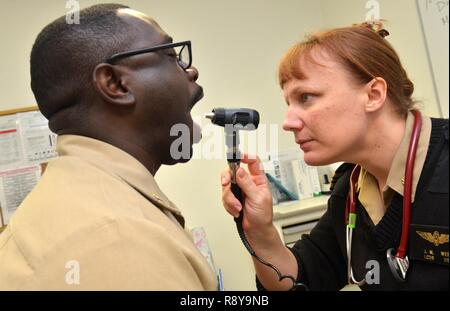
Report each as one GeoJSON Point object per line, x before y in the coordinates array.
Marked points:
{"type": "Point", "coordinates": [237, 193]}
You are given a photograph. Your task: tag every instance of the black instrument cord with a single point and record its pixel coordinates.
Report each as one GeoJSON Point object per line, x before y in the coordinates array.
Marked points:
{"type": "Point", "coordinates": [296, 286]}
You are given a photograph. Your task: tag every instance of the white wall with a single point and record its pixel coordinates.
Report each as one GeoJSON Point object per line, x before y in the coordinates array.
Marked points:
{"type": "Point", "coordinates": [236, 47]}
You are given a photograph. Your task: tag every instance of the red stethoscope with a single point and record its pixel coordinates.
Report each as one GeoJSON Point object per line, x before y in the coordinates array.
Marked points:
{"type": "Point", "coordinates": [397, 260]}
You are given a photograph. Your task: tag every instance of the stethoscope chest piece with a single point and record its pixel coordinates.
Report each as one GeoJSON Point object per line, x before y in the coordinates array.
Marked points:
{"type": "Point", "coordinates": [399, 266]}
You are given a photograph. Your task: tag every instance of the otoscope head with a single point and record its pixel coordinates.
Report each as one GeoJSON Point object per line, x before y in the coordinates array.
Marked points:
{"type": "Point", "coordinates": [239, 118]}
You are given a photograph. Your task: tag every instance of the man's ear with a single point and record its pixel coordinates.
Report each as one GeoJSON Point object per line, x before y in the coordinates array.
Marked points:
{"type": "Point", "coordinates": [108, 81]}
{"type": "Point", "coordinates": [376, 93]}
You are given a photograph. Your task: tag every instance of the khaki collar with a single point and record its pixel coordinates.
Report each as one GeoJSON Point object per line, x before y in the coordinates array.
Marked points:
{"type": "Point", "coordinates": [397, 171]}
{"type": "Point", "coordinates": [369, 194]}
{"type": "Point", "coordinates": [119, 163]}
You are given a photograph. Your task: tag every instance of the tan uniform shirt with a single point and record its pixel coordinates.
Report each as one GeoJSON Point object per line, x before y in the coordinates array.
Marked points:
{"type": "Point", "coordinates": [369, 193]}
{"type": "Point", "coordinates": [98, 221]}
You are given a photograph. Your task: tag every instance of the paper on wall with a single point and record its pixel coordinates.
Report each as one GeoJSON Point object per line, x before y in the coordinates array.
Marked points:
{"type": "Point", "coordinates": [37, 139]}
{"type": "Point", "coordinates": [15, 185]}
{"type": "Point", "coordinates": [11, 153]}
{"type": "Point", "coordinates": [201, 242]}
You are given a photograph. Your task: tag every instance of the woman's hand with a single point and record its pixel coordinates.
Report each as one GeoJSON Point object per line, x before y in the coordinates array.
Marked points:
{"type": "Point", "coordinates": [257, 211]}
{"type": "Point", "coordinates": [257, 223]}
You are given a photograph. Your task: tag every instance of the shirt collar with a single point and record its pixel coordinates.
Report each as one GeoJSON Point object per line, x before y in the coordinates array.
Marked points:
{"type": "Point", "coordinates": [369, 194]}
{"type": "Point", "coordinates": [119, 163]}
{"type": "Point", "coordinates": [397, 171]}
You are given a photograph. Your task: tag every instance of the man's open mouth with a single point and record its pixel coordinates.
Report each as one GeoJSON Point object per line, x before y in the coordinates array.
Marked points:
{"type": "Point", "coordinates": [198, 95]}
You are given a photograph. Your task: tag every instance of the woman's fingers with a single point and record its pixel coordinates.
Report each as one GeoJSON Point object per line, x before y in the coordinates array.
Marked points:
{"type": "Point", "coordinates": [255, 168]}
{"type": "Point", "coordinates": [225, 178]}
{"type": "Point", "coordinates": [247, 185]}
{"type": "Point", "coordinates": [230, 202]}
{"type": "Point", "coordinates": [252, 184]}
{"type": "Point", "coordinates": [254, 164]}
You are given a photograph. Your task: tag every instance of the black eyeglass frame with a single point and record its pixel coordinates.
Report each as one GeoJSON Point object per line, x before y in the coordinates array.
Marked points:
{"type": "Point", "coordinates": [182, 64]}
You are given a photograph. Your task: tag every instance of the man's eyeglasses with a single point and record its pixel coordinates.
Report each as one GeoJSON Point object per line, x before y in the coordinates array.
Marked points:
{"type": "Point", "coordinates": [181, 49]}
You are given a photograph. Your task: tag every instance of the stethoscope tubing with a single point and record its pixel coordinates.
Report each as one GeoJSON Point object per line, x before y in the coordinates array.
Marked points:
{"type": "Point", "coordinates": [400, 261]}
{"type": "Point", "coordinates": [409, 169]}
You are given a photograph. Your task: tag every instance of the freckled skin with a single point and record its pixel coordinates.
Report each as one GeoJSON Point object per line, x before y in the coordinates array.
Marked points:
{"type": "Point", "coordinates": [333, 118]}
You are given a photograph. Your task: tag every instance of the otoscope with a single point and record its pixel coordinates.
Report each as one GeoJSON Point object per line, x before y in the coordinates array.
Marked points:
{"type": "Point", "coordinates": [235, 120]}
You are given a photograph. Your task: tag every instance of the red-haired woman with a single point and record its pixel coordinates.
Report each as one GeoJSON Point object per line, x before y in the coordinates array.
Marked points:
{"type": "Point", "coordinates": [349, 99]}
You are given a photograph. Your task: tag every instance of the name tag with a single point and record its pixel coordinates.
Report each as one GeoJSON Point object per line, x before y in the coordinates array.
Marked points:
{"type": "Point", "coordinates": [429, 243]}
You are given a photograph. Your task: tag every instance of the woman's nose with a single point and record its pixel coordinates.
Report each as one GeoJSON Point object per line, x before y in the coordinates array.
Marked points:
{"type": "Point", "coordinates": [292, 122]}
{"type": "Point", "coordinates": [192, 73]}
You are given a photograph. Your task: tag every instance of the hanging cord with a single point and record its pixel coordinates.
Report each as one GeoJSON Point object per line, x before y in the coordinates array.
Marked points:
{"type": "Point", "coordinates": [239, 195]}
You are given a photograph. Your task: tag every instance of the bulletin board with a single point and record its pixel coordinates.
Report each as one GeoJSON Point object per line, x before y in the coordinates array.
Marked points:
{"type": "Point", "coordinates": [26, 145]}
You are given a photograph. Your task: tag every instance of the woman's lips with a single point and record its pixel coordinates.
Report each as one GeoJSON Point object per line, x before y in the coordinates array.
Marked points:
{"type": "Point", "coordinates": [304, 143]}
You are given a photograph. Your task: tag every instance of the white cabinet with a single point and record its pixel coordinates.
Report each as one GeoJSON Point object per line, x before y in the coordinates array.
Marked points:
{"type": "Point", "coordinates": [294, 218]}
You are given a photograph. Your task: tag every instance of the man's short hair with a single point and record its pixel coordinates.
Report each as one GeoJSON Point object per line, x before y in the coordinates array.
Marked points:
{"type": "Point", "coordinates": [64, 55]}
